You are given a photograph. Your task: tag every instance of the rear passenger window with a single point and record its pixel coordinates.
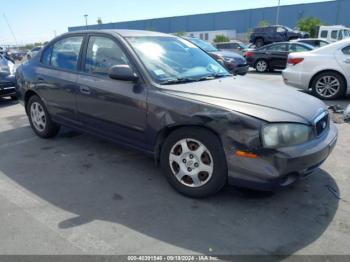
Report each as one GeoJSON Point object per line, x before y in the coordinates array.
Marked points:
{"type": "Point", "coordinates": [297, 48]}
{"type": "Point", "coordinates": [65, 53]}
{"type": "Point", "coordinates": [46, 57]}
{"type": "Point", "coordinates": [334, 34]}
{"type": "Point", "coordinates": [324, 34]}
{"type": "Point", "coordinates": [102, 54]}
{"type": "Point", "coordinates": [346, 50]}
{"type": "Point", "coordinates": [278, 48]}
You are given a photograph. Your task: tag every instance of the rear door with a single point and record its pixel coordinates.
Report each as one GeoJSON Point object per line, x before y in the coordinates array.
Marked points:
{"type": "Point", "coordinates": [114, 108]}
{"type": "Point", "coordinates": [277, 55]}
{"type": "Point", "coordinates": [57, 75]}
{"type": "Point", "coordinates": [343, 58]}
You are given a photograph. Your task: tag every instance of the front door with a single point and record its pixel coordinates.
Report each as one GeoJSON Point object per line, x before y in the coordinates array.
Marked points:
{"type": "Point", "coordinates": [113, 108]}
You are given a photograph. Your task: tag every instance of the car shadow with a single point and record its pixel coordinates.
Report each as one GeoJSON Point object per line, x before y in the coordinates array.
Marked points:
{"type": "Point", "coordinates": [97, 180]}
{"type": "Point", "coordinates": [275, 72]}
{"type": "Point", "coordinates": [5, 102]}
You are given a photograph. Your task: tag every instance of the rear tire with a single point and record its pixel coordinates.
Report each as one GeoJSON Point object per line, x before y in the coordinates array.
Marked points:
{"type": "Point", "coordinates": [262, 66]}
{"type": "Point", "coordinates": [40, 119]}
{"type": "Point", "coordinates": [194, 162]}
{"type": "Point", "coordinates": [328, 85]}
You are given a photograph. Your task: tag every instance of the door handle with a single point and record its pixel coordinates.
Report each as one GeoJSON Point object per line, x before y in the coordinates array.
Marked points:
{"type": "Point", "coordinates": [347, 61]}
{"type": "Point", "coordinates": [85, 90]}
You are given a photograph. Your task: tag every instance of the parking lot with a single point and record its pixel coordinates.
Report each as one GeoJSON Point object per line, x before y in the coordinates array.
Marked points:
{"type": "Point", "coordinates": [77, 194]}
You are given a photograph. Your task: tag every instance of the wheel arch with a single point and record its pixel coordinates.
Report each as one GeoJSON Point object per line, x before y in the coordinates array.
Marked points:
{"type": "Point", "coordinates": [27, 96]}
{"type": "Point", "coordinates": [325, 71]}
{"type": "Point", "coordinates": [164, 133]}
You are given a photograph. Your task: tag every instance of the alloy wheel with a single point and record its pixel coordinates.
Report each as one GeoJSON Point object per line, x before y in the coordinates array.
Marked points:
{"type": "Point", "coordinates": [38, 116]}
{"type": "Point", "coordinates": [261, 66]}
{"type": "Point", "coordinates": [327, 86]}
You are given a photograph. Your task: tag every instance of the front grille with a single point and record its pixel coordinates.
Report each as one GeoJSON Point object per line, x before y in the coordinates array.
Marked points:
{"type": "Point", "coordinates": [6, 84]}
{"type": "Point", "coordinates": [322, 123]}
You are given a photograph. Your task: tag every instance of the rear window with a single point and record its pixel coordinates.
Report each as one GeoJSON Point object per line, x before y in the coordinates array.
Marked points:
{"type": "Point", "coordinates": [324, 34]}
{"type": "Point", "coordinates": [65, 53]}
{"type": "Point", "coordinates": [334, 34]}
{"type": "Point", "coordinates": [278, 48]}
{"type": "Point", "coordinates": [46, 57]}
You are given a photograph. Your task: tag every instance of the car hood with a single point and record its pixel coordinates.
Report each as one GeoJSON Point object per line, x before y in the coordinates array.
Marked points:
{"type": "Point", "coordinates": [253, 97]}
{"type": "Point", "coordinates": [228, 54]}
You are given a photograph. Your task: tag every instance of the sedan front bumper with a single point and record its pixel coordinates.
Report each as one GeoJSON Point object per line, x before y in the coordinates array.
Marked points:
{"type": "Point", "coordinates": [7, 86]}
{"type": "Point", "coordinates": [273, 169]}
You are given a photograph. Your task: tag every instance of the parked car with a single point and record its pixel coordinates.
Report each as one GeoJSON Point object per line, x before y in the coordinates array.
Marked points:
{"type": "Point", "coordinates": [266, 35]}
{"type": "Point", "coordinates": [33, 52]}
{"type": "Point", "coordinates": [234, 46]}
{"type": "Point", "coordinates": [325, 71]}
{"type": "Point", "coordinates": [18, 55]}
{"type": "Point", "coordinates": [333, 33]}
{"type": "Point", "coordinates": [168, 98]}
{"type": "Point", "coordinates": [315, 42]}
{"type": "Point", "coordinates": [274, 56]}
{"type": "Point", "coordinates": [234, 62]}
{"type": "Point", "coordinates": [7, 78]}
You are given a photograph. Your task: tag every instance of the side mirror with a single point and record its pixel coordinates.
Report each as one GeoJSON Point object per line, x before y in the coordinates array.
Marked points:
{"type": "Point", "coordinates": [122, 72]}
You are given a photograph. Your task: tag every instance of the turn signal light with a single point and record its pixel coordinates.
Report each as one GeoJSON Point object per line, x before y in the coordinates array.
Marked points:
{"type": "Point", "coordinates": [295, 61]}
{"type": "Point", "coordinates": [245, 154]}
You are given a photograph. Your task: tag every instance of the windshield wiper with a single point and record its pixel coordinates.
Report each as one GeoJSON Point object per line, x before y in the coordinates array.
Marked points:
{"type": "Point", "coordinates": [178, 81]}
{"type": "Point", "coordinates": [214, 76]}
{"type": "Point", "coordinates": [175, 81]}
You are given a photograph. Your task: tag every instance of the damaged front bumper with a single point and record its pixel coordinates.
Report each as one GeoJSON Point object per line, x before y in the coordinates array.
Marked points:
{"type": "Point", "coordinates": [273, 169]}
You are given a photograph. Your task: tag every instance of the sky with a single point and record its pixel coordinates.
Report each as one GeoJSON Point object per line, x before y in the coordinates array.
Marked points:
{"type": "Point", "coordinates": [40, 20]}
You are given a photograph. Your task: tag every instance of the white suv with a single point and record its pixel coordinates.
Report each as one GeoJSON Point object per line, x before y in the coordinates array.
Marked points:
{"type": "Point", "coordinates": [325, 71]}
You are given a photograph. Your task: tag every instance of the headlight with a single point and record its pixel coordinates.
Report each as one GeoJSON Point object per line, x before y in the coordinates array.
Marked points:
{"type": "Point", "coordinates": [283, 135]}
{"type": "Point", "coordinates": [230, 60]}
{"type": "Point", "coordinates": [4, 69]}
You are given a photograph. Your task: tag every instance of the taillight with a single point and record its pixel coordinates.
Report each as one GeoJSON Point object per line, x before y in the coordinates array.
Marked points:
{"type": "Point", "coordinates": [295, 61]}
{"type": "Point", "coordinates": [248, 54]}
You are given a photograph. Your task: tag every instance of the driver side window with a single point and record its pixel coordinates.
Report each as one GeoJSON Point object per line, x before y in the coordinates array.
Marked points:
{"type": "Point", "coordinates": [281, 30]}
{"type": "Point", "coordinates": [102, 54]}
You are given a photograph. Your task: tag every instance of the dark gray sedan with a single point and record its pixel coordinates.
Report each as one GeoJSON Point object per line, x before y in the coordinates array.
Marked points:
{"type": "Point", "coordinates": [7, 77]}
{"type": "Point", "coordinates": [166, 97]}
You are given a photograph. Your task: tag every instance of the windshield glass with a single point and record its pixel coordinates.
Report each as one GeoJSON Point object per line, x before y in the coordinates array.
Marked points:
{"type": "Point", "coordinates": [171, 60]}
{"type": "Point", "coordinates": [203, 44]}
{"type": "Point", "coordinates": [288, 29]}
{"type": "Point", "coordinates": [346, 33]}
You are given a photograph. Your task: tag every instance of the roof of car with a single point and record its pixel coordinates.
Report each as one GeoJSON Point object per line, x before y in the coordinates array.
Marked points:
{"type": "Point", "coordinates": [123, 32]}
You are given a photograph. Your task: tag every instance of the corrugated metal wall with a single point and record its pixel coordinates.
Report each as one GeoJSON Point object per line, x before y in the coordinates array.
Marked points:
{"type": "Point", "coordinates": [330, 12]}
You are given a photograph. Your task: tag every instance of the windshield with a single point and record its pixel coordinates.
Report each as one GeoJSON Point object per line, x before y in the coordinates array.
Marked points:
{"type": "Point", "coordinates": [171, 60]}
{"type": "Point", "coordinates": [203, 44]}
{"type": "Point", "coordinates": [346, 33]}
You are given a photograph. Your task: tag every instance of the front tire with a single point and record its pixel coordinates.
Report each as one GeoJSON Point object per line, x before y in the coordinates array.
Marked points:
{"type": "Point", "coordinates": [39, 118]}
{"type": "Point", "coordinates": [194, 162]}
{"type": "Point", "coordinates": [328, 86]}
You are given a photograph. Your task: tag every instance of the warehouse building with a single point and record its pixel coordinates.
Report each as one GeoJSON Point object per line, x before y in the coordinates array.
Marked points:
{"type": "Point", "coordinates": [237, 23]}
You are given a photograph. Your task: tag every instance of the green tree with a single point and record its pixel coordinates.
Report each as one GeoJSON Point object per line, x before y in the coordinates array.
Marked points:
{"type": "Point", "coordinates": [99, 21]}
{"type": "Point", "coordinates": [221, 38]}
{"type": "Point", "coordinates": [263, 23]}
{"type": "Point", "coordinates": [309, 24]}
{"type": "Point", "coordinates": [180, 34]}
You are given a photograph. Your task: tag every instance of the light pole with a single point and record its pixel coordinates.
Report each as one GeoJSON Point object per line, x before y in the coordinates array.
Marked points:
{"type": "Point", "coordinates": [86, 21]}
{"type": "Point", "coordinates": [278, 12]}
